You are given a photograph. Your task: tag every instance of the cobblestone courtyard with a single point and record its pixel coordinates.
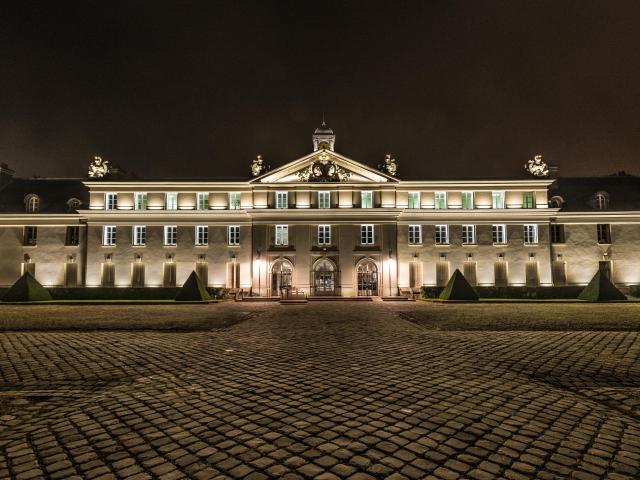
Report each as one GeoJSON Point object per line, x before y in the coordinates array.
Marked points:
{"type": "Point", "coordinates": [332, 391]}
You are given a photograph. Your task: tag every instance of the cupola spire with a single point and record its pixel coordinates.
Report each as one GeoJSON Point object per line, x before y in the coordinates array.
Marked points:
{"type": "Point", "coordinates": [323, 137]}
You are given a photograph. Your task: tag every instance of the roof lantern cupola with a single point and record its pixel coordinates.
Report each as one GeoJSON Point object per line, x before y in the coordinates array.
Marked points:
{"type": "Point", "coordinates": [323, 138]}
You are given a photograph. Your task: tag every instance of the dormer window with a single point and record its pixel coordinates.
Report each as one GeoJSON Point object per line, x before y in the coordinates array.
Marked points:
{"type": "Point", "coordinates": [73, 204]}
{"type": "Point", "coordinates": [32, 203]}
{"type": "Point", "coordinates": [601, 200]}
{"type": "Point", "coordinates": [556, 202]}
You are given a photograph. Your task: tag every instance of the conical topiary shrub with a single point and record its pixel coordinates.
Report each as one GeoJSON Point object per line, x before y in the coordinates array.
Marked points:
{"type": "Point", "coordinates": [193, 290]}
{"type": "Point", "coordinates": [27, 289]}
{"type": "Point", "coordinates": [458, 288]}
{"type": "Point", "coordinates": [601, 289]}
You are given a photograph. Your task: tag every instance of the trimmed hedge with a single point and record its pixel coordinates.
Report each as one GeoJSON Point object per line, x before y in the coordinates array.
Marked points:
{"type": "Point", "coordinates": [126, 293]}
{"type": "Point", "coordinates": [543, 293]}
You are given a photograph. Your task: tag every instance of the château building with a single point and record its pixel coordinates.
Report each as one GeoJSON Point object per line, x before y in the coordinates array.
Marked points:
{"type": "Point", "coordinates": [324, 224]}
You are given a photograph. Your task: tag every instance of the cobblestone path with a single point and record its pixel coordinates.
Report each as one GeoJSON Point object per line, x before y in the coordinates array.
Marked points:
{"type": "Point", "coordinates": [346, 391]}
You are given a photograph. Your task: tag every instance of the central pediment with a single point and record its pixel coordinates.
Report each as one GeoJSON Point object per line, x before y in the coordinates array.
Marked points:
{"type": "Point", "coordinates": [324, 166]}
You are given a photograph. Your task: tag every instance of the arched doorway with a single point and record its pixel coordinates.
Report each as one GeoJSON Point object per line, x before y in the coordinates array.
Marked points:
{"type": "Point", "coordinates": [367, 272]}
{"type": "Point", "coordinates": [325, 277]}
{"type": "Point", "coordinates": [281, 276]}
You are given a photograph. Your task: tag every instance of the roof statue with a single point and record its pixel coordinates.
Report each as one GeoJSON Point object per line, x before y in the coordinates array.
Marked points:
{"type": "Point", "coordinates": [99, 168]}
{"type": "Point", "coordinates": [537, 167]}
{"type": "Point", "coordinates": [258, 166]}
{"type": "Point", "coordinates": [389, 166]}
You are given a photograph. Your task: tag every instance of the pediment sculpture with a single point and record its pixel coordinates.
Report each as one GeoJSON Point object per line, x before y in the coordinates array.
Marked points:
{"type": "Point", "coordinates": [324, 171]}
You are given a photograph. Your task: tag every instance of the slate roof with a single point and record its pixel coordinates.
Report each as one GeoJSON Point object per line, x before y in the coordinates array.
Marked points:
{"type": "Point", "coordinates": [54, 194]}
{"type": "Point", "coordinates": [579, 193]}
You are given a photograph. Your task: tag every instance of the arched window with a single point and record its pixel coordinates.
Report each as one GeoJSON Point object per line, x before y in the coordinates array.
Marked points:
{"type": "Point", "coordinates": [32, 203]}
{"type": "Point", "coordinates": [601, 200]}
{"type": "Point", "coordinates": [556, 202]}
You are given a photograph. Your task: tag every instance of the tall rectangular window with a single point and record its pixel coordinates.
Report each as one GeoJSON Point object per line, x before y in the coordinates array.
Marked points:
{"type": "Point", "coordinates": [366, 199]}
{"type": "Point", "coordinates": [110, 201]}
{"type": "Point", "coordinates": [604, 233]}
{"type": "Point", "coordinates": [468, 234]}
{"type": "Point", "coordinates": [202, 235]}
{"type": "Point", "coordinates": [557, 233]}
{"type": "Point", "coordinates": [170, 235]}
{"type": "Point", "coordinates": [528, 200]}
{"type": "Point", "coordinates": [140, 200]}
{"type": "Point", "coordinates": [171, 200]}
{"type": "Point", "coordinates": [139, 235]}
{"type": "Point", "coordinates": [30, 236]}
{"type": "Point", "coordinates": [442, 234]}
{"type": "Point", "coordinates": [499, 234]}
{"type": "Point", "coordinates": [234, 201]}
{"type": "Point", "coordinates": [233, 234]}
{"type": "Point", "coordinates": [366, 235]}
{"type": "Point", "coordinates": [282, 234]}
{"type": "Point", "coordinates": [467, 200]}
{"type": "Point", "coordinates": [415, 234]}
{"type": "Point", "coordinates": [202, 201]}
{"type": "Point", "coordinates": [530, 234]}
{"type": "Point", "coordinates": [324, 199]}
{"type": "Point", "coordinates": [497, 199]}
{"type": "Point", "coordinates": [413, 200]}
{"type": "Point", "coordinates": [72, 236]}
{"type": "Point", "coordinates": [282, 199]}
{"type": "Point", "coordinates": [324, 234]}
{"type": "Point", "coordinates": [440, 200]}
{"type": "Point", "coordinates": [109, 235]}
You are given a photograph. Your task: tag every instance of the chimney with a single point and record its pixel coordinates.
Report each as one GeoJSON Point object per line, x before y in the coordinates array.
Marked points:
{"type": "Point", "coordinates": [6, 175]}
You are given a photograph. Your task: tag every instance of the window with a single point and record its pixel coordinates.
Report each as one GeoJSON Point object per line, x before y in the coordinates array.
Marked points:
{"type": "Point", "coordinates": [324, 234]}
{"type": "Point", "coordinates": [604, 233]}
{"type": "Point", "coordinates": [170, 235]}
{"type": "Point", "coordinates": [110, 201]}
{"type": "Point", "coordinates": [530, 234]}
{"type": "Point", "coordinates": [233, 234]}
{"type": "Point", "coordinates": [282, 234]}
{"type": "Point", "coordinates": [468, 234]}
{"type": "Point", "coordinates": [202, 201]}
{"type": "Point", "coordinates": [528, 200]}
{"type": "Point", "coordinates": [140, 201]}
{"type": "Point", "coordinates": [202, 235]}
{"type": "Point", "coordinates": [415, 234]}
{"type": "Point", "coordinates": [30, 236]}
{"type": "Point", "coordinates": [467, 200]}
{"type": "Point", "coordinates": [282, 199]}
{"type": "Point", "coordinates": [442, 234]}
{"type": "Point", "coordinates": [234, 201]}
{"type": "Point", "coordinates": [139, 234]}
{"type": "Point", "coordinates": [171, 200]}
{"type": "Point", "coordinates": [557, 233]}
{"type": "Point", "coordinates": [414, 200]}
{"type": "Point", "coordinates": [72, 236]}
{"type": "Point", "coordinates": [440, 200]}
{"type": "Point", "coordinates": [497, 199]}
{"type": "Point", "coordinates": [109, 235]}
{"type": "Point", "coordinates": [324, 199]}
{"type": "Point", "coordinates": [602, 200]}
{"type": "Point", "coordinates": [366, 199]}
{"type": "Point", "coordinates": [499, 234]}
{"type": "Point", "coordinates": [366, 234]}
{"type": "Point", "coordinates": [32, 203]}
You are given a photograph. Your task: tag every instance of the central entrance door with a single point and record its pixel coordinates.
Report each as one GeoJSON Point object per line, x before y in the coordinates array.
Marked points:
{"type": "Point", "coordinates": [324, 277]}
{"type": "Point", "coordinates": [367, 278]}
{"type": "Point", "coordinates": [281, 274]}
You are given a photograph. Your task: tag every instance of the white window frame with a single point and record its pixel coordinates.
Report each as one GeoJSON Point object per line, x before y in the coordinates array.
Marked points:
{"type": "Point", "coordinates": [170, 235]}
{"type": "Point", "coordinates": [324, 199]}
{"type": "Point", "coordinates": [171, 200]}
{"type": "Point", "coordinates": [530, 233]}
{"type": "Point", "coordinates": [367, 234]}
{"type": "Point", "coordinates": [468, 234]}
{"type": "Point", "coordinates": [441, 235]}
{"type": "Point", "coordinates": [440, 200]}
{"type": "Point", "coordinates": [235, 201]}
{"type": "Point", "coordinates": [110, 201]}
{"type": "Point", "coordinates": [499, 234]}
{"type": "Point", "coordinates": [497, 199]}
{"type": "Point", "coordinates": [140, 201]}
{"type": "Point", "coordinates": [109, 235]}
{"type": "Point", "coordinates": [415, 235]}
{"type": "Point", "coordinates": [282, 235]}
{"type": "Point", "coordinates": [202, 200]}
{"type": "Point", "coordinates": [470, 194]}
{"type": "Point", "coordinates": [233, 235]}
{"type": "Point", "coordinates": [282, 200]}
{"type": "Point", "coordinates": [139, 235]}
{"type": "Point", "coordinates": [324, 234]}
{"type": "Point", "coordinates": [366, 199]}
{"type": "Point", "coordinates": [202, 235]}
{"type": "Point", "coordinates": [416, 200]}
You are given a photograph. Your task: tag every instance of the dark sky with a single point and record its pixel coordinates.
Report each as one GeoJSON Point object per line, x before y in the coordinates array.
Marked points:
{"type": "Point", "coordinates": [199, 88]}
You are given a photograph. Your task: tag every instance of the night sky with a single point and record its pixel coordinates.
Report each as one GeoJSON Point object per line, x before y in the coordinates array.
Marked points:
{"type": "Point", "coordinates": [451, 89]}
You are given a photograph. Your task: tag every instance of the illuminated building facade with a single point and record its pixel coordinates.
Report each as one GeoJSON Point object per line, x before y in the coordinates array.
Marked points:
{"type": "Point", "coordinates": [323, 224]}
